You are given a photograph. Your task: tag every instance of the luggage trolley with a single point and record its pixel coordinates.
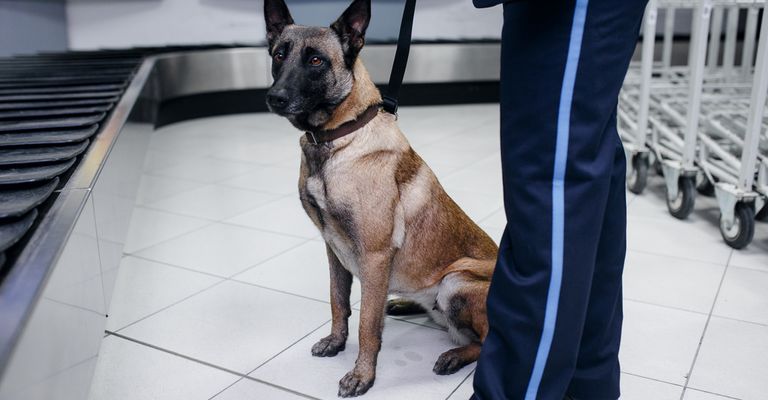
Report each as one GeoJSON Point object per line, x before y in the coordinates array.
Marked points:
{"type": "Point", "coordinates": [701, 124]}
{"type": "Point", "coordinates": [734, 152]}
{"type": "Point", "coordinates": [635, 97]}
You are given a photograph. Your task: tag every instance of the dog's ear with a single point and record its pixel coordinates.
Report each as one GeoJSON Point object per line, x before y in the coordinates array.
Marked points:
{"type": "Point", "coordinates": [277, 17]}
{"type": "Point", "coordinates": [351, 28]}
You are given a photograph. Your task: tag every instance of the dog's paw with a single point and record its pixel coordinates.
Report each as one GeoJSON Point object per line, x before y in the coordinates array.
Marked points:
{"type": "Point", "coordinates": [328, 346]}
{"type": "Point", "coordinates": [404, 307]}
{"type": "Point", "coordinates": [355, 383]}
{"type": "Point", "coordinates": [449, 363]}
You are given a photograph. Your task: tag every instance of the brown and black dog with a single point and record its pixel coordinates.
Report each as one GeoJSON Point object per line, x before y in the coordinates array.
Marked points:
{"type": "Point", "coordinates": [383, 215]}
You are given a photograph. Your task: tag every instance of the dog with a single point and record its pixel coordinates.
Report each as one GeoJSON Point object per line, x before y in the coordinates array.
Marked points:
{"type": "Point", "coordinates": [383, 214]}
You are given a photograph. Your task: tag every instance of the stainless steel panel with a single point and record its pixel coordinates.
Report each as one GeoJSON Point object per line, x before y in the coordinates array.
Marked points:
{"type": "Point", "coordinates": [183, 74]}
{"type": "Point", "coordinates": [54, 359]}
{"type": "Point", "coordinates": [433, 63]}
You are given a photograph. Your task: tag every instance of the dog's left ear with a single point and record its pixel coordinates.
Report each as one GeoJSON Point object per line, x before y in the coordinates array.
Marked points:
{"type": "Point", "coordinates": [351, 28]}
{"type": "Point", "coordinates": [276, 17]}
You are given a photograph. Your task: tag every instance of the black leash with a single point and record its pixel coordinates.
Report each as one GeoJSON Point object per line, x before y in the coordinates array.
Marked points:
{"type": "Point", "coordinates": [401, 59]}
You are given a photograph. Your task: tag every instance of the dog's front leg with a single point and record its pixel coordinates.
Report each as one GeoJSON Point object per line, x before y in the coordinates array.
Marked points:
{"type": "Point", "coordinates": [374, 277]}
{"type": "Point", "coordinates": [341, 285]}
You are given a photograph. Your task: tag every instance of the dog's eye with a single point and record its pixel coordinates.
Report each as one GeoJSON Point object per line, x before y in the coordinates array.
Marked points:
{"type": "Point", "coordinates": [315, 61]}
{"type": "Point", "coordinates": [279, 56]}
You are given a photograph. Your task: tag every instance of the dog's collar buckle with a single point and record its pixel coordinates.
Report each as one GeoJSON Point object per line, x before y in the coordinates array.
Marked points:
{"type": "Point", "coordinates": [314, 138]}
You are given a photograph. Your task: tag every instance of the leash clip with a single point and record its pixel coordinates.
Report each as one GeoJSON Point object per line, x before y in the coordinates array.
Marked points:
{"type": "Point", "coordinates": [389, 105]}
{"type": "Point", "coordinates": [314, 139]}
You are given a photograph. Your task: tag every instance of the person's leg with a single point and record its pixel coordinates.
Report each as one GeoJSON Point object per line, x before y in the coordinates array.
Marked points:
{"type": "Point", "coordinates": [562, 66]}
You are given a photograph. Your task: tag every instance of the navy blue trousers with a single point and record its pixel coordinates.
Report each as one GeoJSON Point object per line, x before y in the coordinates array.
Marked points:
{"type": "Point", "coordinates": [555, 302]}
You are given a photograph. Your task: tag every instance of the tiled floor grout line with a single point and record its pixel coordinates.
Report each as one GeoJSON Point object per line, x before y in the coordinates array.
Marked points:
{"type": "Point", "coordinates": [167, 264]}
{"type": "Point", "coordinates": [650, 303]}
{"type": "Point", "coordinates": [81, 308]}
{"type": "Point", "coordinates": [134, 252]}
{"type": "Point", "coordinates": [725, 396]}
{"type": "Point", "coordinates": [739, 320]}
{"type": "Point", "coordinates": [266, 230]}
{"type": "Point", "coordinates": [217, 221]}
{"type": "Point", "coordinates": [279, 291]}
{"type": "Point", "coordinates": [706, 325]}
{"type": "Point", "coordinates": [286, 349]}
{"type": "Point", "coordinates": [222, 280]}
{"type": "Point", "coordinates": [460, 383]}
{"type": "Point", "coordinates": [226, 388]}
{"type": "Point", "coordinates": [168, 195]}
{"type": "Point", "coordinates": [207, 364]}
{"type": "Point", "coordinates": [678, 257]}
{"type": "Point", "coordinates": [651, 379]}
{"type": "Point", "coordinates": [169, 306]}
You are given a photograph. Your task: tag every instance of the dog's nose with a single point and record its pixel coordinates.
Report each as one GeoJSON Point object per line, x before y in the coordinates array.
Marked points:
{"type": "Point", "coordinates": [277, 99]}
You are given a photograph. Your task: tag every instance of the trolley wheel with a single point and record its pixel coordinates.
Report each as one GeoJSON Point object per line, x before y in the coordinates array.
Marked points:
{"type": "Point", "coordinates": [682, 206]}
{"type": "Point", "coordinates": [763, 214]}
{"type": "Point", "coordinates": [704, 186]}
{"type": "Point", "coordinates": [741, 232]}
{"type": "Point", "coordinates": [657, 167]}
{"type": "Point", "coordinates": [639, 177]}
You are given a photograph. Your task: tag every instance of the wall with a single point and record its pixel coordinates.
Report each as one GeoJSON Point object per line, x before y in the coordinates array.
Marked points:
{"type": "Point", "coordinates": [29, 26]}
{"type": "Point", "coordinates": [126, 23]}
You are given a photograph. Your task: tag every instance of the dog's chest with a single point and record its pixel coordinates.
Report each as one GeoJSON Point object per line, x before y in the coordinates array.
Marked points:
{"type": "Point", "coordinates": [329, 219]}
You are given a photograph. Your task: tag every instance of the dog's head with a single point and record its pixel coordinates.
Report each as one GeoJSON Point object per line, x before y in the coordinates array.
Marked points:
{"type": "Point", "coordinates": [312, 67]}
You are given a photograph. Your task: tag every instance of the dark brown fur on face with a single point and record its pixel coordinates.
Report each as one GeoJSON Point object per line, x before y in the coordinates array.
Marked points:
{"type": "Point", "coordinates": [382, 213]}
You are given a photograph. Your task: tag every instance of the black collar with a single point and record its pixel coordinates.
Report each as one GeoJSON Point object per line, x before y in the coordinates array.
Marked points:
{"type": "Point", "coordinates": [346, 128]}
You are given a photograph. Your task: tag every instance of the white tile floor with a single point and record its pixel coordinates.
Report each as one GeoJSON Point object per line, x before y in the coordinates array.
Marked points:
{"type": "Point", "coordinates": [224, 286]}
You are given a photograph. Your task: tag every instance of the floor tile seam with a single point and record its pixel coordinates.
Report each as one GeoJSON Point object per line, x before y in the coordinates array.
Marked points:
{"type": "Point", "coordinates": [167, 196]}
{"type": "Point", "coordinates": [206, 182]}
{"type": "Point", "coordinates": [217, 221]}
{"type": "Point", "coordinates": [760, 324]}
{"type": "Point", "coordinates": [222, 277]}
{"type": "Point", "coordinates": [204, 363]}
{"type": "Point", "coordinates": [81, 308]}
{"type": "Point", "coordinates": [61, 370]}
{"type": "Point", "coordinates": [290, 235]}
{"type": "Point", "coordinates": [738, 267]}
{"type": "Point", "coordinates": [206, 223]}
{"type": "Point", "coordinates": [158, 174]}
{"type": "Point", "coordinates": [655, 304]}
{"type": "Point", "coordinates": [168, 306]}
{"type": "Point", "coordinates": [761, 269]}
{"type": "Point", "coordinates": [681, 258]}
{"type": "Point", "coordinates": [255, 164]}
{"type": "Point", "coordinates": [706, 325]}
{"type": "Point", "coordinates": [276, 196]}
{"type": "Point", "coordinates": [302, 242]}
{"type": "Point", "coordinates": [281, 194]}
{"type": "Point", "coordinates": [248, 375]}
{"type": "Point", "coordinates": [460, 383]}
{"type": "Point", "coordinates": [177, 266]}
{"type": "Point", "coordinates": [636, 375]}
{"type": "Point", "coordinates": [271, 289]}
{"type": "Point", "coordinates": [226, 388]}
{"type": "Point", "coordinates": [714, 393]}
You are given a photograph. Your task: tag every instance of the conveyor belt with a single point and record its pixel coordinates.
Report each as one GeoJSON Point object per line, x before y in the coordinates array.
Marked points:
{"type": "Point", "coordinates": [50, 107]}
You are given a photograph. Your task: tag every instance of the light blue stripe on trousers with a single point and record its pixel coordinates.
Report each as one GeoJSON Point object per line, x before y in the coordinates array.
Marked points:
{"type": "Point", "coordinates": [558, 197]}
